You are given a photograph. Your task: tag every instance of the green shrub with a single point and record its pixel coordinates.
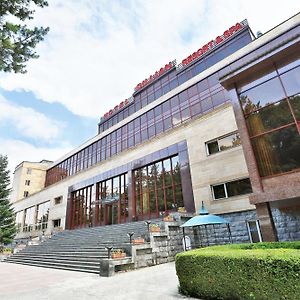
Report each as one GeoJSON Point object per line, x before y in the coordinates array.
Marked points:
{"type": "Point", "coordinates": [242, 271]}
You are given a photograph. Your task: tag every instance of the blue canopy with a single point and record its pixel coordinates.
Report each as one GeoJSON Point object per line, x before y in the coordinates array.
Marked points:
{"type": "Point", "coordinates": [204, 218]}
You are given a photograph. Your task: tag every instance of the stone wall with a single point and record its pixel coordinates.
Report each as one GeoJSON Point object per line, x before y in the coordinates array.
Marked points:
{"type": "Point", "coordinates": [238, 225]}
{"type": "Point", "coordinates": [287, 223]}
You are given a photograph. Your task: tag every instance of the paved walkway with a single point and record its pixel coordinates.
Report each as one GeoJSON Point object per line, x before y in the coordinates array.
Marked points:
{"type": "Point", "coordinates": [20, 282]}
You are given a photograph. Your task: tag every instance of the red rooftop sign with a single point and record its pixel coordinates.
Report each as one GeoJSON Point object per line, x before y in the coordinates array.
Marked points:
{"type": "Point", "coordinates": [204, 49]}
{"type": "Point", "coordinates": [117, 107]}
{"type": "Point", "coordinates": [157, 74]}
{"type": "Point", "coordinates": [212, 44]}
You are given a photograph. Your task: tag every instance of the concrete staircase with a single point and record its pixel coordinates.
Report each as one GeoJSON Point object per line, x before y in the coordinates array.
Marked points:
{"type": "Point", "coordinates": [78, 250]}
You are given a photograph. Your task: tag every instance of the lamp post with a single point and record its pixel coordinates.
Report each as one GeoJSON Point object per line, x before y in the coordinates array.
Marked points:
{"type": "Point", "coordinates": [130, 235]}
{"type": "Point", "coordinates": [108, 248]}
{"type": "Point", "coordinates": [148, 225]}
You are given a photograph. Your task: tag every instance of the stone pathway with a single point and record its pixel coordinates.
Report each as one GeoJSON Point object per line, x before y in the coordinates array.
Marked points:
{"type": "Point", "coordinates": [20, 282]}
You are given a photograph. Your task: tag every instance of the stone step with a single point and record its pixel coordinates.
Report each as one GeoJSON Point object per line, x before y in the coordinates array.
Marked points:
{"type": "Point", "coordinates": [55, 256]}
{"type": "Point", "coordinates": [80, 249]}
{"type": "Point", "coordinates": [57, 260]}
{"type": "Point", "coordinates": [94, 270]}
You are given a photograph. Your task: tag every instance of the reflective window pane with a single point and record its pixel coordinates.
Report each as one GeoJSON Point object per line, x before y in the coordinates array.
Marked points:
{"type": "Point", "coordinates": [291, 81]}
{"type": "Point", "coordinates": [295, 103]}
{"type": "Point", "coordinates": [218, 98]}
{"type": "Point", "coordinates": [206, 104]}
{"type": "Point", "coordinates": [238, 187]}
{"type": "Point", "coordinates": [219, 191]}
{"type": "Point", "coordinates": [213, 147]}
{"type": "Point", "coordinates": [277, 152]}
{"type": "Point", "coordinates": [264, 94]}
{"type": "Point", "coordinates": [270, 117]}
{"type": "Point", "coordinates": [202, 85]}
{"type": "Point", "coordinates": [229, 142]}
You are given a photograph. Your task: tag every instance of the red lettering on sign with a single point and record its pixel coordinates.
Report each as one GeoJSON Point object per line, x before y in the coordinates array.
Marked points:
{"type": "Point", "coordinates": [210, 45]}
{"type": "Point", "coordinates": [238, 26]}
{"type": "Point", "coordinates": [161, 71]}
{"type": "Point", "coordinates": [219, 40]}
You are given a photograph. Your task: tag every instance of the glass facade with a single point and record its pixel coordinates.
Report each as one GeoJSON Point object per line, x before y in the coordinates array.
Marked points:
{"type": "Point", "coordinates": [194, 101]}
{"type": "Point", "coordinates": [175, 78]}
{"type": "Point", "coordinates": [157, 189]}
{"type": "Point", "coordinates": [190, 103]}
{"type": "Point", "coordinates": [108, 206]}
{"type": "Point", "coordinates": [81, 208]}
{"type": "Point", "coordinates": [271, 109]}
{"type": "Point", "coordinates": [112, 201]}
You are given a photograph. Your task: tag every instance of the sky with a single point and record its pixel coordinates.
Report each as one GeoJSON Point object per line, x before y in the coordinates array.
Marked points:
{"type": "Point", "coordinates": [96, 52]}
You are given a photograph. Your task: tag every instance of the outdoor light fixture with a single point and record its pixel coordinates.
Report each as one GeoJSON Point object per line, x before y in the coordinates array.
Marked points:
{"type": "Point", "coordinates": [108, 248]}
{"type": "Point", "coordinates": [148, 224]}
{"type": "Point", "coordinates": [130, 235]}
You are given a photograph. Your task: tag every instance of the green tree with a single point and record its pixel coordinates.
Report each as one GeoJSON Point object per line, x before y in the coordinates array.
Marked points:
{"type": "Point", "coordinates": [7, 218]}
{"type": "Point", "coordinates": [17, 41]}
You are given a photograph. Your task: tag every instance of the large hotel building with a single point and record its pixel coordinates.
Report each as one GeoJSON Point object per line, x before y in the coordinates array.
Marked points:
{"type": "Point", "coordinates": [222, 127]}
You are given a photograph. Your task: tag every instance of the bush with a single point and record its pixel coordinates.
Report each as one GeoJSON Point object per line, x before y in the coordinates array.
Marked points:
{"type": "Point", "coordinates": [241, 271]}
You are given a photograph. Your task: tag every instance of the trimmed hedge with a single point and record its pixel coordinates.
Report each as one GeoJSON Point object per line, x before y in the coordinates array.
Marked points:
{"type": "Point", "coordinates": [241, 271]}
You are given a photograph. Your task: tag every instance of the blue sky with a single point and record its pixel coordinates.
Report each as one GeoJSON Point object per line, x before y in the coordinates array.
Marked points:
{"type": "Point", "coordinates": [95, 54]}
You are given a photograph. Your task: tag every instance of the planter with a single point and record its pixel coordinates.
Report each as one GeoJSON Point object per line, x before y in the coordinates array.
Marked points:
{"type": "Point", "coordinates": [118, 255]}
{"type": "Point", "coordinates": [154, 229]}
{"type": "Point", "coordinates": [138, 241]}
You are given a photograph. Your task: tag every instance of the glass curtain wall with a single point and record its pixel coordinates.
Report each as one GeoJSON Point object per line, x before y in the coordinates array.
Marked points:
{"type": "Point", "coordinates": [271, 106]}
{"type": "Point", "coordinates": [82, 213]}
{"type": "Point", "coordinates": [157, 189]}
{"type": "Point", "coordinates": [195, 101]}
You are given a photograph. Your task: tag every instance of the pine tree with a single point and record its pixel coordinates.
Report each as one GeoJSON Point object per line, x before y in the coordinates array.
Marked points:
{"type": "Point", "coordinates": [17, 40]}
{"type": "Point", "coordinates": [7, 218]}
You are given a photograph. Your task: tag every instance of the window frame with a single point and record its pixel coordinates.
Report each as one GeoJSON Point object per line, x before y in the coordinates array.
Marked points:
{"type": "Point", "coordinates": [225, 189]}
{"type": "Point", "coordinates": [60, 198]}
{"type": "Point", "coordinates": [257, 224]}
{"type": "Point", "coordinates": [217, 140]}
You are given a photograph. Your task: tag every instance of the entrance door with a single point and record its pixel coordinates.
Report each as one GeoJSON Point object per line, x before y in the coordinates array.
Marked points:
{"type": "Point", "coordinates": [111, 213]}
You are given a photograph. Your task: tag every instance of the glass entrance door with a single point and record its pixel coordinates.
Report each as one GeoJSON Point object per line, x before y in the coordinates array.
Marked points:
{"type": "Point", "coordinates": [111, 213]}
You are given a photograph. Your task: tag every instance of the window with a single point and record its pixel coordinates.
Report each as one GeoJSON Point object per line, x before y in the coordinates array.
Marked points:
{"type": "Point", "coordinates": [42, 215]}
{"type": "Point", "coordinates": [56, 223]}
{"type": "Point", "coordinates": [26, 194]}
{"type": "Point", "coordinates": [272, 115]}
{"type": "Point", "coordinates": [19, 220]}
{"type": "Point", "coordinates": [29, 219]}
{"type": "Point", "coordinates": [254, 231]}
{"type": "Point", "coordinates": [232, 188]}
{"type": "Point", "coordinates": [27, 182]}
{"type": "Point", "coordinates": [157, 188]}
{"type": "Point", "coordinates": [58, 200]}
{"type": "Point", "coordinates": [223, 143]}
{"type": "Point", "coordinates": [29, 171]}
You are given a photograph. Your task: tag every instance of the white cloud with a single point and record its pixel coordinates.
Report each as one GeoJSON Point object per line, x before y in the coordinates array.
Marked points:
{"type": "Point", "coordinates": [97, 51]}
{"type": "Point", "coordinates": [29, 152]}
{"type": "Point", "coordinates": [28, 122]}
